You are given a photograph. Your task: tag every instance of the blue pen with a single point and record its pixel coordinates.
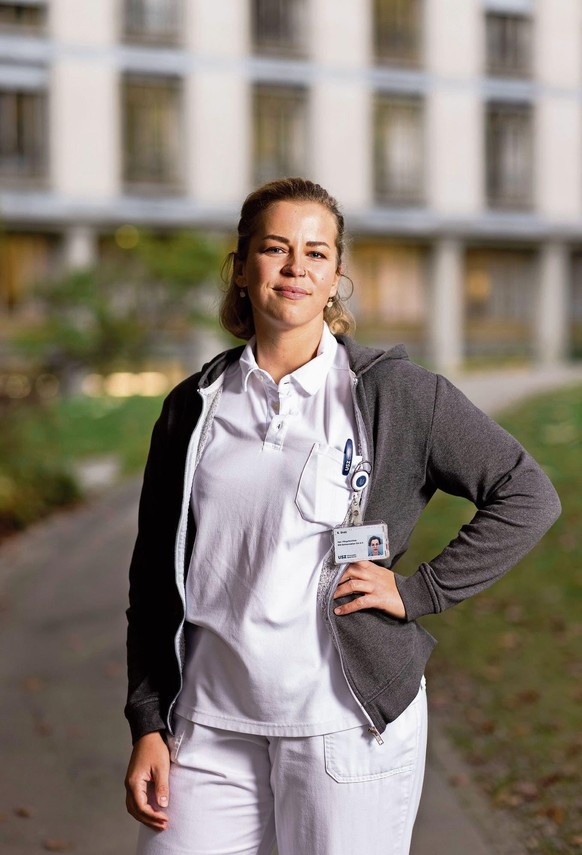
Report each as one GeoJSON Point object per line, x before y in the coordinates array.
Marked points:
{"type": "Point", "coordinates": [348, 454]}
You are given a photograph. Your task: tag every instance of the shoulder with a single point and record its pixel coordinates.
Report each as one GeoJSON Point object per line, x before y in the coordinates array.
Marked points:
{"type": "Point", "coordinates": [391, 372]}
{"type": "Point", "coordinates": [183, 402]}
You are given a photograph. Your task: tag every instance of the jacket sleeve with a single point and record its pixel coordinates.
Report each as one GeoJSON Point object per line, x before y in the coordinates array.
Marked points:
{"type": "Point", "coordinates": [143, 707]}
{"type": "Point", "coordinates": [470, 455]}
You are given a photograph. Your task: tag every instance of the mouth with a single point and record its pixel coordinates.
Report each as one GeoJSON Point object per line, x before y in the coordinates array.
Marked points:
{"type": "Point", "coordinates": [292, 292]}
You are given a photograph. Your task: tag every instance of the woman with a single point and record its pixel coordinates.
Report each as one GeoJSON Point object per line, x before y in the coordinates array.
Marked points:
{"type": "Point", "coordinates": [276, 690]}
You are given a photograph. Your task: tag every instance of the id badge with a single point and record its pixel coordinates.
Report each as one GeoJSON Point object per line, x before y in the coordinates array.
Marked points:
{"type": "Point", "coordinates": [367, 542]}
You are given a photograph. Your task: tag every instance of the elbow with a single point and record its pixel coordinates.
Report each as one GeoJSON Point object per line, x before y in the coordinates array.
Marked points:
{"type": "Point", "coordinates": [555, 507]}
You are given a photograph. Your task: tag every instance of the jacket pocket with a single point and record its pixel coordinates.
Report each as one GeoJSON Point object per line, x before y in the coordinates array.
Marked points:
{"type": "Point", "coordinates": [323, 493]}
{"type": "Point", "coordinates": [353, 756]}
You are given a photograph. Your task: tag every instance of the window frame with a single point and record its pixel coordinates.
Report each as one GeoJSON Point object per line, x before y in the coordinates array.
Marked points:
{"type": "Point", "coordinates": [37, 28]}
{"type": "Point", "coordinates": [142, 36]}
{"type": "Point", "coordinates": [498, 198]}
{"type": "Point", "coordinates": [495, 68]}
{"type": "Point", "coordinates": [295, 46]}
{"type": "Point", "coordinates": [174, 182]}
{"type": "Point", "coordinates": [280, 93]}
{"type": "Point", "coordinates": [384, 194]}
{"type": "Point", "coordinates": [411, 55]}
{"type": "Point", "coordinates": [37, 173]}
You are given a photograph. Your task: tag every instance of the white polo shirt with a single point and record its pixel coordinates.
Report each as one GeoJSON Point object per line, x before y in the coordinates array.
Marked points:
{"type": "Point", "coordinates": [266, 492]}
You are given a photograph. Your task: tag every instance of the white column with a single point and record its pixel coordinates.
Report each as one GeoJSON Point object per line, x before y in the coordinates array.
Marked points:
{"type": "Point", "coordinates": [446, 306]}
{"type": "Point", "coordinates": [80, 247]}
{"type": "Point", "coordinates": [551, 338]}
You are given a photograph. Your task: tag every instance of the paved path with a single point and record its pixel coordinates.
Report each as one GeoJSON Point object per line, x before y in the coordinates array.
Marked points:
{"type": "Point", "coordinates": [63, 740]}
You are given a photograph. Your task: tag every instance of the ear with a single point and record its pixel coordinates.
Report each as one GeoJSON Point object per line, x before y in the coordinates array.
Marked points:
{"type": "Point", "coordinates": [239, 273]}
{"type": "Point", "coordinates": [335, 283]}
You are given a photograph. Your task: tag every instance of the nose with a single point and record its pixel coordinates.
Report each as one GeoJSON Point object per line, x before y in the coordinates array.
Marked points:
{"type": "Point", "coordinates": [293, 268]}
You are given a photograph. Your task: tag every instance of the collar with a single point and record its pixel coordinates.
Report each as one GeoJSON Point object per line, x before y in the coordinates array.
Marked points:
{"type": "Point", "coordinates": [310, 377]}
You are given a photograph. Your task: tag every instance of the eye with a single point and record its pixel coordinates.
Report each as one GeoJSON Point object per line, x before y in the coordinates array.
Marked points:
{"type": "Point", "coordinates": [316, 254]}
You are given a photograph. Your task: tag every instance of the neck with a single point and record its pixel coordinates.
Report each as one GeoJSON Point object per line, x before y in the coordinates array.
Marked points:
{"type": "Point", "coordinates": [281, 352]}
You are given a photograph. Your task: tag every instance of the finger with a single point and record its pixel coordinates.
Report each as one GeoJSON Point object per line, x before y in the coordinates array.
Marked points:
{"type": "Point", "coordinates": [353, 586]}
{"type": "Point", "coordinates": [354, 571]}
{"type": "Point", "coordinates": [366, 601]}
{"type": "Point", "coordinates": [146, 815]}
{"type": "Point", "coordinates": [162, 786]}
{"type": "Point", "coordinates": [144, 811]}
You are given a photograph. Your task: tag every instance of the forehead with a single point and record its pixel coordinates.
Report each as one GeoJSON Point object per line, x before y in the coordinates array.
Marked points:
{"type": "Point", "coordinates": [309, 218]}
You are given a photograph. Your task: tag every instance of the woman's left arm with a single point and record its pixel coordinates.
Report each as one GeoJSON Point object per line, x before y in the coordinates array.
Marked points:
{"type": "Point", "coordinates": [470, 455]}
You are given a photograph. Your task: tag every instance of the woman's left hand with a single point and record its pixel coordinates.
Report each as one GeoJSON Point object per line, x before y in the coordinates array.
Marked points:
{"type": "Point", "coordinates": [376, 583]}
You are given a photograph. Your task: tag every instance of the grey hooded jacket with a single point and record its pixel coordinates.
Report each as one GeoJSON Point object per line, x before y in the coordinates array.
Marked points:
{"type": "Point", "coordinates": [420, 433]}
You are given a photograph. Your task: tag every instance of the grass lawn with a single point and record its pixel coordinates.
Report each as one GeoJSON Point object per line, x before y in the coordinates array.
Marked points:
{"type": "Point", "coordinates": [85, 427]}
{"type": "Point", "coordinates": [40, 445]}
{"type": "Point", "coordinates": [506, 677]}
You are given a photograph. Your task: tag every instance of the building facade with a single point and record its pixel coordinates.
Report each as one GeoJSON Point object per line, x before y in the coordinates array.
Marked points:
{"type": "Point", "coordinates": [450, 131]}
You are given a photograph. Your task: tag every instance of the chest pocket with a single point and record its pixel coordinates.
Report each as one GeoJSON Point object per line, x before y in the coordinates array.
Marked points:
{"type": "Point", "coordinates": [323, 494]}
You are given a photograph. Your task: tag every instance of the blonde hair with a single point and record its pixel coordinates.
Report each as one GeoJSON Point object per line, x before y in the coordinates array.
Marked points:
{"type": "Point", "coordinates": [235, 312]}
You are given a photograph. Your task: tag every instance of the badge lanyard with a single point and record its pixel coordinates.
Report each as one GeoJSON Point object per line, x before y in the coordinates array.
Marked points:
{"type": "Point", "coordinates": [356, 541]}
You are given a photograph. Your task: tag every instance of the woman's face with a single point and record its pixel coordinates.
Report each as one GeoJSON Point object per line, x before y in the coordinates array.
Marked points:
{"type": "Point", "coordinates": [291, 268]}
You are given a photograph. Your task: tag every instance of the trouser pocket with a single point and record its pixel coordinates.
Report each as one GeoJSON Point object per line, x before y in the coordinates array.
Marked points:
{"type": "Point", "coordinates": [354, 755]}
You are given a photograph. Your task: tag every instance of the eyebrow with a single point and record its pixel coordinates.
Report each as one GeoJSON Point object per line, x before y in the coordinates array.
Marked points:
{"type": "Point", "coordinates": [287, 241]}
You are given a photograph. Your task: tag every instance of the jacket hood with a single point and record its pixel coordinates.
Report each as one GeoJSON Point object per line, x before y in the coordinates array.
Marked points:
{"type": "Point", "coordinates": [361, 358]}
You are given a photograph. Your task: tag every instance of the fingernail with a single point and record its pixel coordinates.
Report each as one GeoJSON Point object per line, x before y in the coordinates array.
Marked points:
{"type": "Point", "coordinates": [337, 611]}
{"type": "Point", "coordinates": [163, 800]}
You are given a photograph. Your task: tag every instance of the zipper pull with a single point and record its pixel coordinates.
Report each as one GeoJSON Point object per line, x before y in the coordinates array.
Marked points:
{"type": "Point", "coordinates": [377, 736]}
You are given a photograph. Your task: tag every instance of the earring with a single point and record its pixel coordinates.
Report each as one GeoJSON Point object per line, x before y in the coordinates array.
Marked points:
{"type": "Point", "coordinates": [243, 293]}
{"type": "Point", "coordinates": [330, 302]}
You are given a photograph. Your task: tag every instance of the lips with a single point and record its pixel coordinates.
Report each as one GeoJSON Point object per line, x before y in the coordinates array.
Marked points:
{"type": "Point", "coordinates": [291, 291]}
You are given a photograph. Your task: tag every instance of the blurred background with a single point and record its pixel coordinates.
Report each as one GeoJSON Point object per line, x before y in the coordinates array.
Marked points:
{"type": "Point", "coordinates": [450, 131]}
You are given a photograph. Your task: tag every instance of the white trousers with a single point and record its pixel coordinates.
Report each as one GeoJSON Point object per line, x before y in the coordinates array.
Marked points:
{"type": "Point", "coordinates": [336, 794]}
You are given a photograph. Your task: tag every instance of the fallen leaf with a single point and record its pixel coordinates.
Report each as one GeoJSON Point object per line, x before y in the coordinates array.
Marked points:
{"type": "Point", "coordinates": [528, 696]}
{"type": "Point", "coordinates": [43, 728]}
{"type": "Point", "coordinates": [554, 812]}
{"type": "Point", "coordinates": [527, 789]}
{"type": "Point", "coordinates": [52, 845]}
{"type": "Point", "coordinates": [548, 780]}
{"type": "Point", "coordinates": [509, 640]}
{"type": "Point", "coordinates": [459, 780]}
{"type": "Point", "coordinates": [23, 811]}
{"type": "Point", "coordinates": [33, 684]}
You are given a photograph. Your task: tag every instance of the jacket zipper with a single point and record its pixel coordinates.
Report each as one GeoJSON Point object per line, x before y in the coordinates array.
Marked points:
{"type": "Point", "coordinates": [179, 552]}
{"type": "Point", "coordinates": [371, 726]}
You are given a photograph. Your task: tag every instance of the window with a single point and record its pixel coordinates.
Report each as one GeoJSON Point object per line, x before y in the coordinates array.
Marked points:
{"type": "Point", "coordinates": [398, 149]}
{"type": "Point", "coordinates": [22, 17]}
{"type": "Point", "coordinates": [397, 31]}
{"type": "Point", "coordinates": [22, 134]}
{"type": "Point", "coordinates": [152, 148]}
{"type": "Point", "coordinates": [152, 21]}
{"type": "Point", "coordinates": [278, 25]}
{"type": "Point", "coordinates": [499, 297]}
{"type": "Point", "coordinates": [280, 128]}
{"type": "Point", "coordinates": [509, 155]}
{"type": "Point", "coordinates": [509, 45]}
